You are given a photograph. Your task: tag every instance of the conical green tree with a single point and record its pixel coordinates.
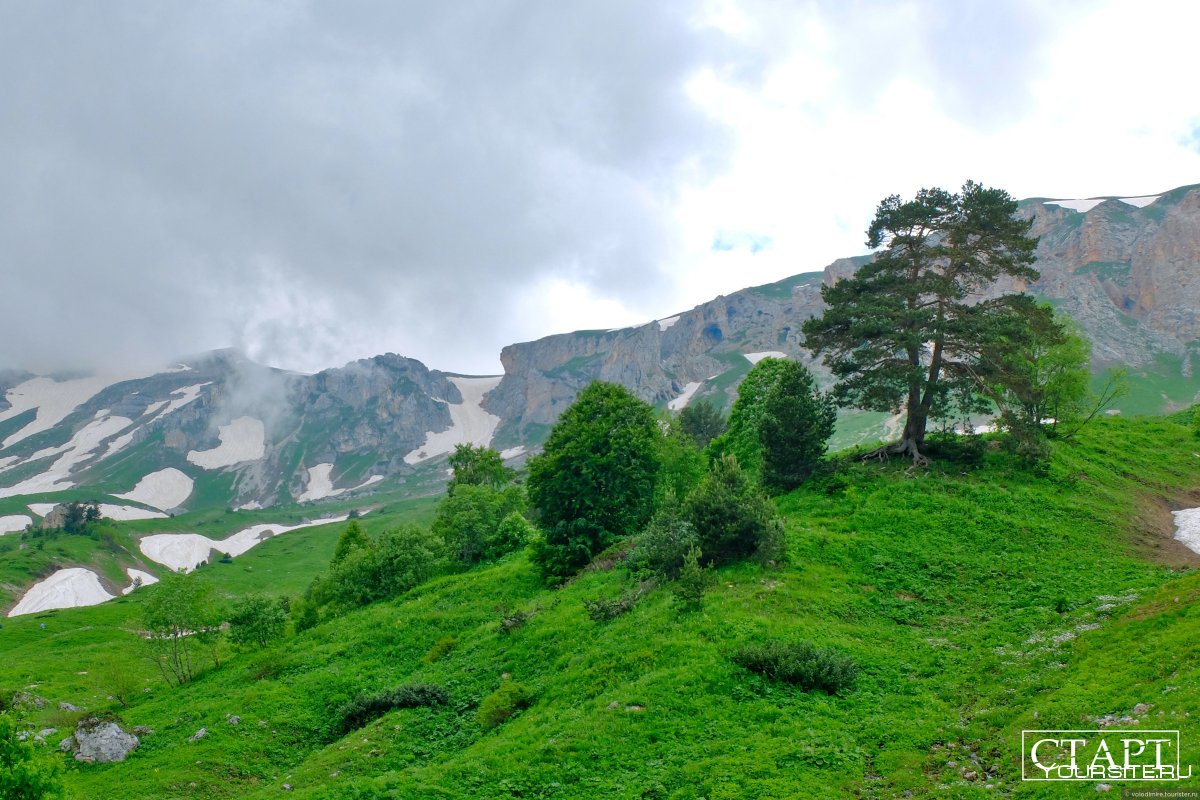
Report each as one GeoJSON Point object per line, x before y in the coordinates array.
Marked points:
{"type": "Point", "coordinates": [796, 423]}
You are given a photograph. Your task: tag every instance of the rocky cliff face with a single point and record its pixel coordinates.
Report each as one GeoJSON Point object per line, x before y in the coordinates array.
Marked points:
{"type": "Point", "coordinates": [1127, 270]}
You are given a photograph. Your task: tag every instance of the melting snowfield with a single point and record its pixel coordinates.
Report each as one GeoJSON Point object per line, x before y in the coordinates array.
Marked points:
{"type": "Point", "coordinates": [186, 551]}
{"type": "Point", "coordinates": [685, 398]}
{"type": "Point", "coordinates": [754, 358]}
{"type": "Point", "coordinates": [320, 484]}
{"type": "Point", "coordinates": [14, 523]}
{"type": "Point", "coordinates": [67, 588]}
{"type": "Point", "coordinates": [243, 439]}
{"type": "Point", "coordinates": [663, 324]}
{"type": "Point", "coordinates": [165, 489]}
{"type": "Point", "coordinates": [119, 513]}
{"type": "Point", "coordinates": [54, 401]}
{"type": "Point", "coordinates": [1085, 205]}
{"type": "Point", "coordinates": [74, 452]}
{"type": "Point", "coordinates": [137, 578]}
{"type": "Point", "coordinates": [511, 452]}
{"type": "Point", "coordinates": [469, 423]}
{"type": "Point", "coordinates": [126, 513]}
{"type": "Point", "coordinates": [1187, 524]}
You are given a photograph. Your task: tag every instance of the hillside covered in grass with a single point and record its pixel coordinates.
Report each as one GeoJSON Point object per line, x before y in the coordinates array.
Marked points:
{"type": "Point", "coordinates": [976, 598]}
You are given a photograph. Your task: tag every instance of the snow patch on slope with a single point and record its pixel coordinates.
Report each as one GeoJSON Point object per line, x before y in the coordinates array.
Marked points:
{"type": "Point", "coordinates": [137, 578]}
{"type": "Point", "coordinates": [14, 523]}
{"type": "Point", "coordinates": [243, 439]}
{"type": "Point", "coordinates": [320, 484]}
{"type": "Point", "coordinates": [165, 489]}
{"type": "Point", "coordinates": [186, 551]}
{"type": "Point", "coordinates": [54, 401]}
{"type": "Point", "coordinates": [1086, 205]}
{"type": "Point", "coordinates": [469, 423]}
{"type": "Point", "coordinates": [685, 398]}
{"type": "Point", "coordinates": [754, 358]}
{"type": "Point", "coordinates": [74, 452]}
{"type": "Point", "coordinates": [68, 588]}
{"type": "Point", "coordinates": [511, 452]}
{"type": "Point", "coordinates": [1187, 523]}
{"type": "Point", "coordinates": [126, 513]}
{"type": "Point", "coordinates": [663, 324]}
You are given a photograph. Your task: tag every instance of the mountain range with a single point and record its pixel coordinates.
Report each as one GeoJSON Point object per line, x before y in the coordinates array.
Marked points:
{"type": "Point", "coordinates": [218, 430]}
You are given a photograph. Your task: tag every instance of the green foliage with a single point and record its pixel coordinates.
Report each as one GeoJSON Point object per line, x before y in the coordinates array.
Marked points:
{"type": "Point", "coordinates": [694, 581]}
{"type": "Point", "coordinates": [402, 558]}
{"type": "Point", "coordinates": [662, 548]}
{"type": "Point", "coordinates": [181, 622]}
{"type": "Point", "coordinates": [353, 538]}
{"type": "Point", "coordinates": [469, 522]}
{"type": "Point", "coordinates": [702, 421]}
{"type": "Point", "coordinates": [499, 706]}
{"type": "Point", "coordinates": [367, 707]}
{"type": "Point", "coordinates": [116, 678]}
{"type": "Point", "coordinates": [441, 648]}
{"type": "Point", "coordinates": [800, 663]}
{"type": "Point", "coordinates": [25, 773]}
{"type": "Point", "coordinates": [1041, 377]}
{"type": "Point", "coordinates": [595, 481]}
{"type": "Point", "coordinates": [682, 463]}
{"type": "Point", "coordinates": [604, 609]}
{"type": "Point", "coordinates": [476, 465]}
{"type": "Point", "coordinates": [743, 439]}
{"type": "Point", "coordinates": [732, 517]}
{"type": "Point", "coordinates": [906, 330]}
{"type": "Point", "coordinates": [796, 423]}
{"type": "Point", "coordinates": [257, 620]}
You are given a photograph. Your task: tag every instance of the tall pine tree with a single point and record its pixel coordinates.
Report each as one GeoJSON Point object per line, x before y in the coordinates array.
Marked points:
{"type": "Point", "coordinates": [907, 330]}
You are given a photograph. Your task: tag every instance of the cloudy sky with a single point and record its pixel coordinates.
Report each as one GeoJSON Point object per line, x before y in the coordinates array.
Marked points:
{"type": "Point", "coordinates": [320, 181]}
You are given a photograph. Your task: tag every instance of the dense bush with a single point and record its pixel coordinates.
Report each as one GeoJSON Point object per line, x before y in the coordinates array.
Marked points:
{"type": "Point", "coordinates": [469, 522]}
{"type": "Point", "coordinates": [743, 439]}
{"type": "Point", "coordinates": [257, 620]}
{"type": "Point", "coordinates": [663, 546]}
{"type": "Point", "coordinates": [702, 421]}
{"type": "Point", "coordinates": [402, 558]}
{"type": "Point", "coordinates": [595, 481]}
{"type": "Point", "coordinates": [800, 663]}
{"type": "Point", "coordinates": [365, 708]}
{"type": "Point", "coordinates": [694, 581]}
{"type": "Point", "coordinates": [732, 517]}
{"type": "Point", "coordinates": [476, 465]}
{"type": "Point", "coordinates": [795, 425]}
{"type": "Point", "coordinates": [440, 649]}
{"type": "Point", "coordinates": [503, 703]}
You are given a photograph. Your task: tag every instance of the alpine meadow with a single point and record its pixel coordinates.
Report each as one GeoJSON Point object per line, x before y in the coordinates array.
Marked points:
{"type": "Point", "coordinates": [717, 400]}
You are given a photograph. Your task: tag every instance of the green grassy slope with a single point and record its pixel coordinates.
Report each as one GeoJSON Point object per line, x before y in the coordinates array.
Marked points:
{"type": "Point", "coordinates": [973, 600]}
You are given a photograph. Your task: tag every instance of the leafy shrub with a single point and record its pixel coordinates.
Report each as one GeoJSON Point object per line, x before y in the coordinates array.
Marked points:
{"type": "Point", "coordinates": [800, 663]}
{"type": "Point", "coordinates": [795, 425]}
{"type": "Point", "coordinates": [257, 620]}
{"type": "Point", "coordinates": [594, 482]}
{"type": "Point", "coordinates": [469, 522]}
{"type": "Point", "coordinates": [513, 533]}
{"type": "Point", "coordinates": [402, 558]}
{"type": "Point", "coordinates": [441, 648]}
{"type": "Point", "coordinates": [502, 704]}
{"type": "Point", "coordinates": [365, 708]}
{"type": "Point", "coordinates": [603, 609]}
{"type": "Point", "coordinates": [510, 621]}
{"type": "Point", "coordinates": [732, 517]}
{"type": "Point", "coordinates": [694, 581]}
{"type": "Point", "coordinates": [663, 546]}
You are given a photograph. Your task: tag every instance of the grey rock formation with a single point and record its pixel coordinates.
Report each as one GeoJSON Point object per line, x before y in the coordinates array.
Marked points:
{"type": "Point", "coordinates": [99, 740]}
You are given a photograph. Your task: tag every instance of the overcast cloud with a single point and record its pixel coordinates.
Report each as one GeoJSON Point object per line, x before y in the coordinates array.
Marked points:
{"type": "Point", "coordinates": [315, 182]}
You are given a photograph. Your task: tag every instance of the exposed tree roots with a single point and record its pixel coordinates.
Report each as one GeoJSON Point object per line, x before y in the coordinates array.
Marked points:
{"type": "Point", "coordinates": [906, 447]}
